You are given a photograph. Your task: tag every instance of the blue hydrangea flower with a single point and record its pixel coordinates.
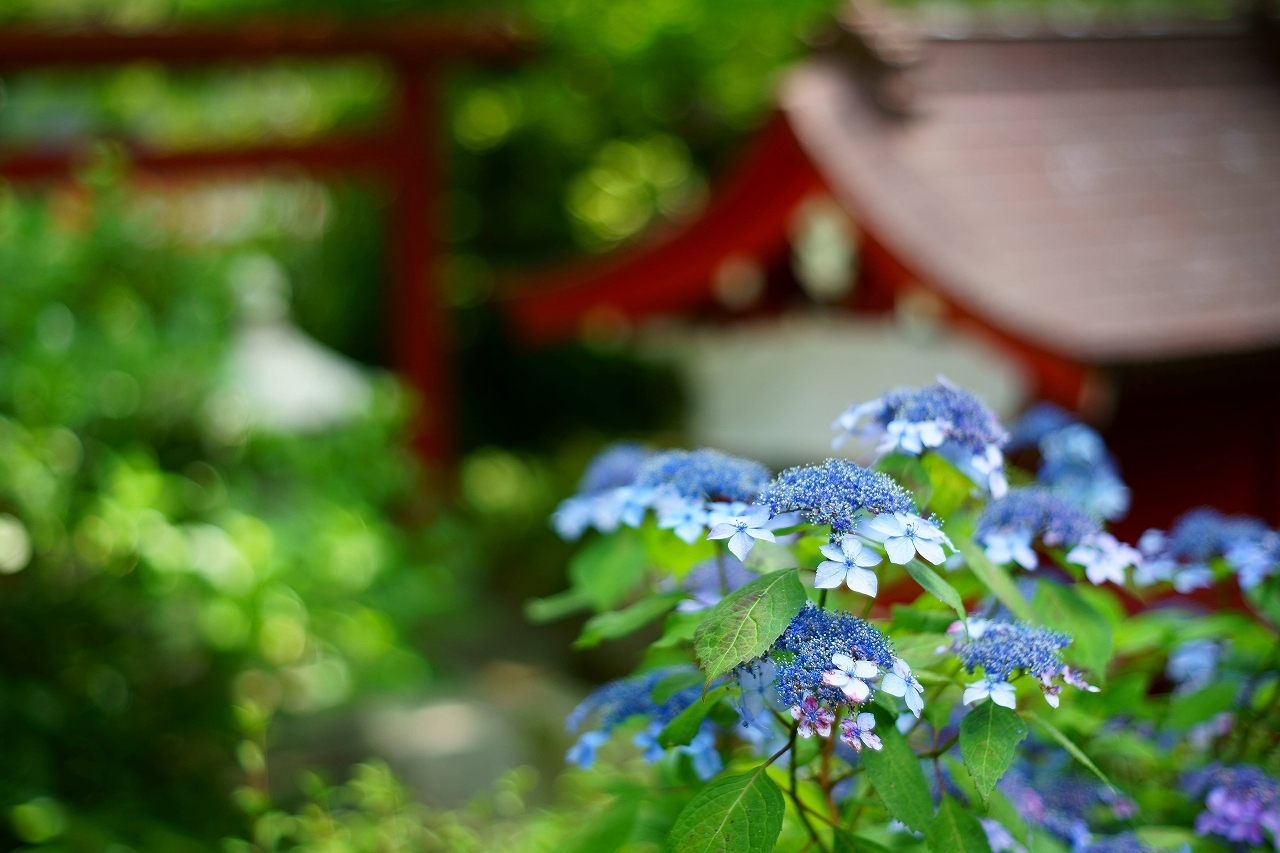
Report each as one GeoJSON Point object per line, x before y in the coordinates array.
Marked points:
{"type": "Point", "coordinates": [605, 497]}
{"type": "Point", "coordinates": [685, 517]}
{"type": "Point", "coordinates": [1036, 511]}
{"type": "Point", "coordinates": [703, 474]}
{"type": "Point", "coordinates": [701, 749]}
{"type": "Point", "coordinates": [838, 493]}
{"type": "Point", "coordinates": [999, 839]}
{"type": "Point", "coordinates": [1104, 558]}
{"type": "Point", "coordinates": [1035, 423]}
{"type": "Point", "coordinates": [1075, 463]}
{"type": "Point", "coordinates": [940, 417]}
{"type": "Point", "coordinates": [856, 731]}
{"type": "Point", "coordinates": [906, 535]}
{"type": "Point", "coordinates": [1239, 803]}
{"type": "Point", "coordinates": [1125, 842]}
{"type": "Point", "coordinates": [1005, 650]}
{"type": "Point", "coordinates": [1181, 556]}
{"type": "Point", "coordinates": [836, 659]}
{"type": "Point", "coordinates": [742, 531]}
{"type": "Point", "coordinates": [1053, 799]}
{"type": "Point", "coordinates": [614, 703]}
{"type": "Point", "coordinates": [1194, 664]}
{"type": "Point", "coordinates": [847, 563]}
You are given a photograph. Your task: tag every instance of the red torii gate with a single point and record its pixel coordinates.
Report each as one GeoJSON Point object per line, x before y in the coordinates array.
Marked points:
{"type": "Point", "coordinates": [403, 154]}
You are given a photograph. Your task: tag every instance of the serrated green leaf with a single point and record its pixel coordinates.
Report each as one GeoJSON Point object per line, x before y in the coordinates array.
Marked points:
{"type": "Point", "coordinates": [956, 831]}
{"type": "Point", "coordinates": [895, 773]}
{"type": "Point", "coordinates": [685, 725]}
{"type": "Point", "coordinates": [989, 738]}
{"type": "Point", "coordinates": [951, 487]}
{"type": "Point", "coordinates": [747, 621]}
{"type": "Point", "coordinates": [933, 583]}
{"type": "Point", "coordinates": [620, 623]}
{"type": "Point", "coordinates": [996, 579]}
{"type": "Point", "coordinates": [737, 814]}
{"type": "Point", "coordinates": [609, 568]}
{"type": "Point", "coordinates": [1069, 745]}
{"type": "Point", "coordinates": [1062, 609]}
{"type": "Point", "coordinates": [845, 841]}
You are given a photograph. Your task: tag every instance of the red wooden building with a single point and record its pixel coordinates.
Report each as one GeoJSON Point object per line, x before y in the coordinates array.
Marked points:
{"type": "Point", "coordinates": [1101, 205]}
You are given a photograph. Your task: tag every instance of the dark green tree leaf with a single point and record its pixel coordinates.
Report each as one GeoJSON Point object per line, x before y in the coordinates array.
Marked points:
{"type": "Point", "coordinates": [895, 772]}
{"type": "Point", "coordinates": [989, 738]}
{"type": "Point", "coordinates": [737, 814]}
{"type": "Point", "coordinates": [956, 831]}
{"type": "Point", "coordinates": [747, 621]}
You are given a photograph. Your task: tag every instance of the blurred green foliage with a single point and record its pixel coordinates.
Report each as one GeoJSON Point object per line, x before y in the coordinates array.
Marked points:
{"type": "Point", "coordinates": [172, 580]}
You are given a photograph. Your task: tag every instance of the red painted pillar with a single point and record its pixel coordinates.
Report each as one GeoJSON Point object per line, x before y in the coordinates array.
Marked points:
{"type": "Point", "coordinates": [420, 329]}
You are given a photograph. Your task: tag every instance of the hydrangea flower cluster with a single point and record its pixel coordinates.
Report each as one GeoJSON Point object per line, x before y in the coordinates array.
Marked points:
{"type": "Point", "coordinates": [1074, 461]}
{"type": "Point", "coordinates": [827, 661]}
{"type": "Point", "coordinates": [604, 492]}
{"type": "Point", "coordinates": [1194, 664]}
{"type": "Point", "coordinates": [1182, 555]}
{"type": "Point", "coordinates": [838, 493]}
{"type": "Point", "coordinates": [618, 701]}
{"type": "Point", "coordinates": [940, 417]}
{"type": "Point", "coordinates": [1005, 650]}
{"type": "Point", "coordinates": [1239, 803]}
{"type": "Point", "coordinates": [1009, 525]}
{"type": "Point", "coordinates": [1056, 802]}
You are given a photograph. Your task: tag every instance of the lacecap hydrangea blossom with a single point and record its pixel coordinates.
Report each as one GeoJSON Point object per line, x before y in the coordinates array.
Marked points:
{"type": "Point", "coordinates": [796, 689]}
{"type": "Point", "coordinates": [941, 417]}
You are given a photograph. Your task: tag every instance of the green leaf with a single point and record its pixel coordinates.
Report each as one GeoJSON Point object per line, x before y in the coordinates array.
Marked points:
{"type": "Point", "coordinates": [737, 814]}
{"type": "Point", "coordinates": [956, 831]}
{"type": "Point", "coordinates": [933, 583]}
{"type": "Point", "coordinates": [678, 630]}
{"type": "Point", "coordinates": [918, 620]}
{"type": "Point", "coordinates": [671, 553]}
{"type": "Point", "coordinates": [989, 738]}
{"type": "Point", "coordinates": [606, 831]}
{"type": "Point", "coordinates": [895, 772]}
{"type": "Point", "coordinates": [620, 623]}
{"type": "Point", "coordinates": [910, 474]}
{"type": "Point", "coordinates": [609, 568]}
{"type": "Point", "coordinates": [558, 606]}
{"type": "Point", "coordinates": [846, 842]}
{"type": "Point", "coordinates": [1066, 743]}
{"type": "Point", "coordinates": [1197, 707]}
{"type": "Point", "coordinates": [685, 724]}
{"type": "Point", "coordinates": [747, 621]}
{"type": "Point", "coordinates": [996, 579]}
{"type": "Point", "coordinates": [672, 684]}
{"type": "Point", "coordinates": [1061, 608]}
{"type": "Point", "coordinates": [951, 487]}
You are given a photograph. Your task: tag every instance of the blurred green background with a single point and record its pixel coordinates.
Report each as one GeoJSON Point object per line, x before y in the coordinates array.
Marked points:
{"type": "Point", "coordinates": [195, 611]}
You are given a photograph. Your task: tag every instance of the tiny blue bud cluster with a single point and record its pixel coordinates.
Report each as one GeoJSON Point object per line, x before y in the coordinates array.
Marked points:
{"type": "Point", "coordinates": [1035, 423]}
{"type": "Point", "coordinates": [1004, 648]}
{"type": "Point", "coordinates": [615, 702]}
{"type": "Point", "coordinates": [1201, 535]}
{"type": "Point", "coordinates": [703, 474]}
{"type": "Point", "coordinates": [802, 655]}
{"type": "Point", "coordinates": [969, 421]}
{"type": "Point", "coordinates": [837, 492]}
{"type": "Point", "coordinates": [612, 467]}
{"type": "Point", "coordinates": [1038, 511]}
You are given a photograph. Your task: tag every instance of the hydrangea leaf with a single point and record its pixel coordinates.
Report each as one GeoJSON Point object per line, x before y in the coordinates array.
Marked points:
{"type": "Point", "coordinates": [1069, 745]}
{"type": "Point", "coordinates": [610, 829]}
{"type": "Point", "coordinates": [895, 773]}
{"type": "Point", "coordinates": [1192, 708]}
{"type": "Point", "coordinates": [910, 474]}
{"type": "Point", "coordinates": [620, 623]}
{"type": "Point", "coordinates": [996, 579]}
{"type": "Point", "coordinates": [685, 726]}
{"type": "Point", "coordinates": [844, 841]}
{"type": "Point", "coordinates": [555, 607]}
{"type": "Point", "coordinates": [933, 583]}
{"type": "Point", "coordinates": [956, 831]}
{"type": "Point", "coordinates": [609, 568]}
{"type": "Point", "coordinates": [737, 814]}
{"type": "Point", "coordinates": [989, 738]}
{"type": "Point", "coordinates": [677, 630]}
{"type": "Point", "coordinates": [951, 487]}
{"type": "Point", "coordinates": [770, 557]}
{"type": "Point", "coordinates": [745, 623]}
{"type": "Point", "coordinates": [672, 684]}
{"type": "Point", "coordinates": [1063, 609]}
